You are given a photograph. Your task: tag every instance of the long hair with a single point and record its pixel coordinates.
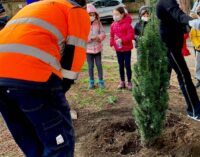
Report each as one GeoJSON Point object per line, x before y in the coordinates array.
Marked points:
{"type": "Point", "coordinates": [121, 10]}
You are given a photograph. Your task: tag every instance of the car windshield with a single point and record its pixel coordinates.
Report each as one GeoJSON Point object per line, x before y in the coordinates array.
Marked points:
{"type": "Point", "coordinates": [90, 1]}
{"type": "Point", "coordinates": [103, 1]}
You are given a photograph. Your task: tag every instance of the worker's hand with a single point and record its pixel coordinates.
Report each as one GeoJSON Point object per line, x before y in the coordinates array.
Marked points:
{"type": "Point", "coordinates": [194, 16]}
{"type": "Point", "coordinates": [66, 84]}
{"type": "Point", "coordinates": [195, 24]}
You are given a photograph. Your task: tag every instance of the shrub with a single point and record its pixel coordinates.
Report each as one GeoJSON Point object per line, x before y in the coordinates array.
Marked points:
{"type": "Point", "coordinates": [151, 81]}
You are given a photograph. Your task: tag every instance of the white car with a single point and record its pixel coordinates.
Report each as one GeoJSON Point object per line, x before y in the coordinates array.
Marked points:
{"type": "Point", "coordinates": [105, 8]}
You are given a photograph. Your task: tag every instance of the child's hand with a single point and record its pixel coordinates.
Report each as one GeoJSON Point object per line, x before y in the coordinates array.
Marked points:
{"type": "Point", "coordinates": [119, 40]}
{"type": "Point", "coordinates": [95, 38]}
{"type": "Point", "coordinates": [92, 37]}
{"type": "Point", "coordinates": [113, 48]}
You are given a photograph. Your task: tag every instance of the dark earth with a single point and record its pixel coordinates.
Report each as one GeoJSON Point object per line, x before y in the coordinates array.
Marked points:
{"type": "Point", "coordinates": [105, 126]}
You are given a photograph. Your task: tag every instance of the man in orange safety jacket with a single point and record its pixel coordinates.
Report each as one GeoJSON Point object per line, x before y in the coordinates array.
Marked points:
{"type": "Point", "coordinates": [42, 50]}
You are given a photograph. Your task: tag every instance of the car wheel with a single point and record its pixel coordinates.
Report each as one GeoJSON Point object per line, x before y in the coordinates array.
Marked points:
{"type": "Point", "coordinates": [109, 20]}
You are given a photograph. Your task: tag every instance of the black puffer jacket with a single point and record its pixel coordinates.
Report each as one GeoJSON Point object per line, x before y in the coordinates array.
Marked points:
{"type": "Point", "coordinates": [172, 23]}
{"type": "Point", "coordinates": [139, 30]}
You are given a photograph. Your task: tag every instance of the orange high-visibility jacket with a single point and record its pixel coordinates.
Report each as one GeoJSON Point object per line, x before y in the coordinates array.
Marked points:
{"type": "Point", "coordinates": [32, 42]}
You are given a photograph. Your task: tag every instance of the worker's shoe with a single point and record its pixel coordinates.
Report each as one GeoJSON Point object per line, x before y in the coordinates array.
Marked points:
{"type": "Point", "coordinates": [129, 86]}
{"type": "Point", "coordinates": [101, 84]}
{"type": "Point", "coordinates": [194, 116]}
{"type": "Point", "coordinates": [198, 84]}
{"type": "Point", "coordinates": [121, 85]}
{"type": "Point", "coordinates": [91, 84]}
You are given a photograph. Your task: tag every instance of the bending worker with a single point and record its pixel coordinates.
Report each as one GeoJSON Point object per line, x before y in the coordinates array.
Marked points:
{"type": "Point", "coordinates": [42, 49]}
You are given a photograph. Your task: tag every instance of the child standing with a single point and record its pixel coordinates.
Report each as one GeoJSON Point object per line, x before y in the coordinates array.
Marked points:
{"type": "Point", "coordinates": [144, 16]}
{"type": "Point", "coordinates": [94, 46]}
{"type": "Point", "coordinates": [121, 36]}
{"type": "Point", "coordinates": [195, 38]}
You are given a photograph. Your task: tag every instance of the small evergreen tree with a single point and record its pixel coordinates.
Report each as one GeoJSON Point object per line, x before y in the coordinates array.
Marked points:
{"type": "Point", "coordinates": [151, 80]}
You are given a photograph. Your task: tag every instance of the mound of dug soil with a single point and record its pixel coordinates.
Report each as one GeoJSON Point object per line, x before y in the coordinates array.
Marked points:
{"type": "Point", "coordinates": [113, 133]}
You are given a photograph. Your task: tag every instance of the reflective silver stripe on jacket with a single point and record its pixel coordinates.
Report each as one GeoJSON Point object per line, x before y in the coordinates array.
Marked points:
{"type": "Point", "coordinates": [31, 51]}
{"type": "Point", "coordinates": [72, 40]}
{"type": "Point", "coordinates": [45, 25]}
{"type": "Point", "coordinates": [69, 74]}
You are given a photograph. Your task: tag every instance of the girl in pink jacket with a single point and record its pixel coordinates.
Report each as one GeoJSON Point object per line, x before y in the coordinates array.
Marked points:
{"type": "Point", "coordinates": [121, 36]}
{"type": "Point", "coordinates": [94, 46]}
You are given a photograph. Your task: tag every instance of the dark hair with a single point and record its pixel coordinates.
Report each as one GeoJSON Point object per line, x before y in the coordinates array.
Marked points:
{"type": "Point", "coordinates": [121, 10]}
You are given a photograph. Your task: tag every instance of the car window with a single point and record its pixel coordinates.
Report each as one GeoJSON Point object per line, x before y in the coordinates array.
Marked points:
{"type": "Point", "coordinates": [98, 4]}
{"type": "Point", "coordinates": [112, 3]}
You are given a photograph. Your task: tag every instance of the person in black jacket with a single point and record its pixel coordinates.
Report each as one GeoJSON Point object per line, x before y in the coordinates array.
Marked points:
{"type": "Point", "coordinates": [172, 23]}
{"type": "Point", "coordinates": [144, 15]}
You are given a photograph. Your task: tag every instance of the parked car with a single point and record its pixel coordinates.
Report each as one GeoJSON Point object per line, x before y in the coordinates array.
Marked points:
{"type": "Point", "coordinates": [3, 16]}
{"type": "Point", "coordinates": [105, 8]}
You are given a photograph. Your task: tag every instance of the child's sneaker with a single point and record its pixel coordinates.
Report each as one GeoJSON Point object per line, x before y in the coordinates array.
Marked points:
{"type": "Point", "coordinates": [91, 84]}
{"type": "Point", "coordinates": [101, 84]}
{"type": "Point", "coordinates": [121, 85]}
{"type": "Point", "coordinates": [129, 86]}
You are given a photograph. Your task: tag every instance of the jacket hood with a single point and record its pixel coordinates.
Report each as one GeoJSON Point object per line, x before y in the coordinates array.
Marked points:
{"type": "Point", "coordinates": [127, 19]}
{"type": "Point", "coordinates": [91, 8]}
{"type": "Point", "coordinates": [143, 9]}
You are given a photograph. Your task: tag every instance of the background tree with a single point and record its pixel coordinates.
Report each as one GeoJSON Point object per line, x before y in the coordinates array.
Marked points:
{"type": "Point", "coordinates": [151, 82]}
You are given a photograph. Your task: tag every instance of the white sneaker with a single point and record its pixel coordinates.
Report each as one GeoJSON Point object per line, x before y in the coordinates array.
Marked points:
{"type": "Point", "coordinates": [194, 117]}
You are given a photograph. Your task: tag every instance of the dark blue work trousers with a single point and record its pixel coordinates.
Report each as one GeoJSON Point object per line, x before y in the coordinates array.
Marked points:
{"type": "Point", "coordinates": [39, 120]}
{"type": "Point", "coordinates": [177, 62]}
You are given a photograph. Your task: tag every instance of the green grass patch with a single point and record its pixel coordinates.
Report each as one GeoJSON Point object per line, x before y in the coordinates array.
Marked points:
{"type": "Point", "coordinates": [97, 98]}
{"type": "Point", "coordinates": [112, 99]}
{"type": "Point", "coordinates": [100, 92]}
{"type": "Point", "coordinates": [85, 67]}
{"type": "Point", "coordinates": [83, 102]}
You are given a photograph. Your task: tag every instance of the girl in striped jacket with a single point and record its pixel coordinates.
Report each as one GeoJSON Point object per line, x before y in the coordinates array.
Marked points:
{"type": "Point", "coordinates": [94, 46]}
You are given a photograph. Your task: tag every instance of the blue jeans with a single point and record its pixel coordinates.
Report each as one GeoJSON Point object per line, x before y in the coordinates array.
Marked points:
{"type": "Point", "coordinates": [91, 58]}
{"type": "Point", "coordinates": [124, 61]}
{"type": "Point", "coordinates": [39, 120]}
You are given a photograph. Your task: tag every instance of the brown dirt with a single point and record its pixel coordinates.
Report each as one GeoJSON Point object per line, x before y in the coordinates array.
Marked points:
{"type": "Point", "coordinates": [112, 133]}
{"type": "Point", "coordinates": [108, 130]}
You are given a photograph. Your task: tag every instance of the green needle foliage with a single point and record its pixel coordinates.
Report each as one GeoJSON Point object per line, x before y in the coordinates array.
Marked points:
{"type": "Point", "coordinates": [151, 81]}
